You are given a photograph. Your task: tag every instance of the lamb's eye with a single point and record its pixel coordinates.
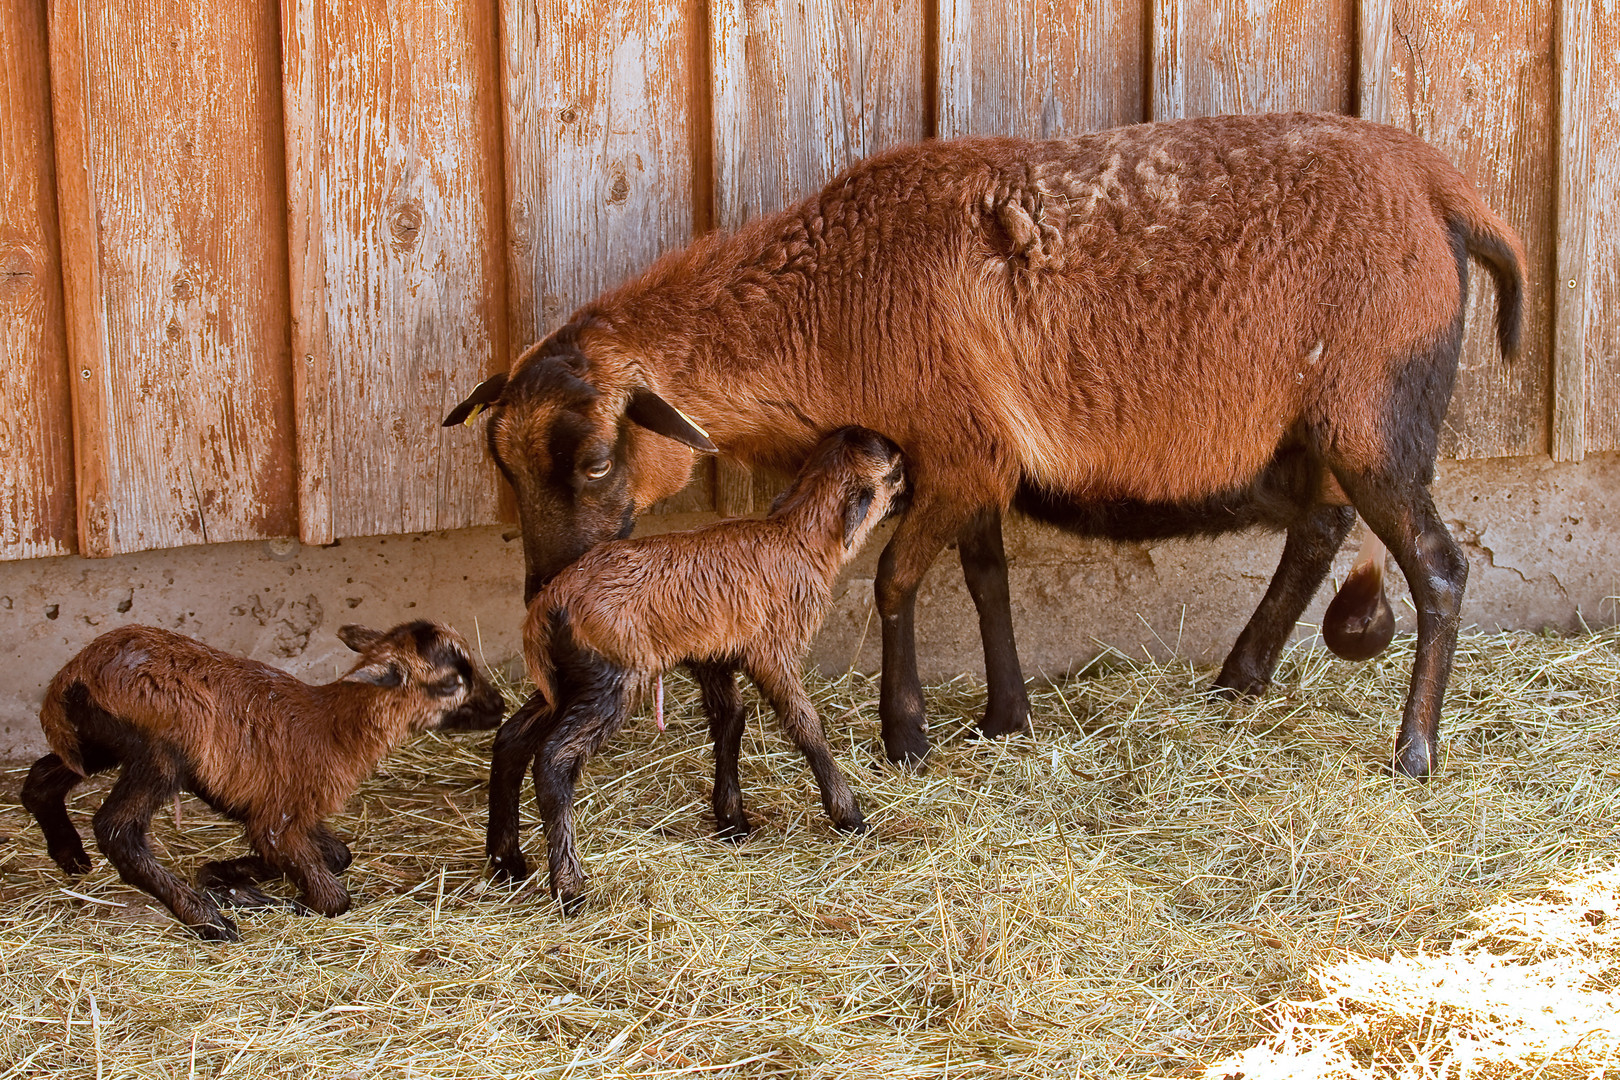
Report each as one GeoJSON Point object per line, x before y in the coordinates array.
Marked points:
{"type": "Point", "coordinates": [599, 470]}
{"type": "Point", "coordinates": [446, 686]}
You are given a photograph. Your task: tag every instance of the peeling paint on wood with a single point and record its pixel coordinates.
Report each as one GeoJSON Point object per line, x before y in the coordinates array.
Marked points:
{"type": "Point", "coordinates": [1039, 69]}
{"type": "Point", "coordinates": [1597, 361]}
{"type": "Point", "coordinates": [36, 423]}
{"type": "Point", "coordinates": [394, 187]}
{"type": "Point", "coordinates": [170, 189]}
{"type": "Point", "coordinates": [1252, 56]}
{"type": "Point", "coordinates": [1475, 78]}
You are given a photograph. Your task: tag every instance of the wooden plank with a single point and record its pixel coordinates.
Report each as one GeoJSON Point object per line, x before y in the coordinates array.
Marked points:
{"type": "Point", "coordinates": [1039, 68]}
{"type": "Point", "coordinates": [1572, 283]}
{"type": "Point", "coordinates": [1474, 77]}
{"type": "Point", "coordinates": [1252, 56]}
{"type": "Point", "coordinates": [605, 128]}
{"type": "Point", "coordinates": [802, 91]}
{"type": "Point", "coordinates": [1600, 337]}
{"type": "Point", "coordinates": [396, 245]}
{"type": "Point", "coordinates": [1374, 20]}
{"type": "Point", "coordinates": [36, 415]}
{"type": "Point", "coordinates": [170, 185]}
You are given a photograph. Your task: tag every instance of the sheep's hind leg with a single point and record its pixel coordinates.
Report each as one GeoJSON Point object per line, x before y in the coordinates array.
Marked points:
{"type": "Point", "coordinates": [727, 718]}
{"type": "Point", "coordinates": [234, 883]}
{"type": "Point", "coordinates": [147, 783]}
{"type": "Point", "coordinates": [781, 685]}
{"type": "Point", "coordinates": [594, 711]}
{"type": "Point", "coordinates": [1307, 557]}
{"type": "Point", "coordinates": [984, 567]}
{"type": "Point", "coordinates": [298, 853]}
{"type": "Point", "coordinates": [44, 794]}
{"type": "Point", "coordinates": [514, 750]}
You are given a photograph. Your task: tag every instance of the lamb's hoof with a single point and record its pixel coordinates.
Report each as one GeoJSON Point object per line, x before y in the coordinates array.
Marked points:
{"type": "Point", "coordinates": [220, 928]}
{"type": "Point", "coordinates": [248, 898]}
{"type": "Point", "coordinates": [1415, 760]}
{"type": "Point", "coordinates": [905, 740]}
{"type": "Point", "coordinates": [572, 901]}
{"type": "Point", "coordinates": [734, 831]}
{"type": "Point", "coordinates": [74, 863]}
{"type": "Point", "coordinates": [999, 721]}
{"type": "Point", "coordinates": [1234, 687]}
{"type": "Point", "coordinates": [855, 826]}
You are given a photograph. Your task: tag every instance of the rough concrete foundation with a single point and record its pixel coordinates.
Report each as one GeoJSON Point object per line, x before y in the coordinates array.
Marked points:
{"type": "Point", "coordinates": [1543, 541]}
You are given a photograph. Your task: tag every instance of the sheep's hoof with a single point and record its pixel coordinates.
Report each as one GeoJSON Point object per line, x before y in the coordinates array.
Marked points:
{"type": "Point", "coordinates": [854, 827]}
{"type": "Point", "coordinates": [1414, 760]}
{"type": "Point", "coordinates": [734, 830]}
{"type": "Point", "coordinates": [247, 898]}
{"type": "Point", "coordinates": [999, 721]}
{"type": "Point", "coordinates": [508, 869]}
{"type": "Point", "coordinates": [1235, 687]}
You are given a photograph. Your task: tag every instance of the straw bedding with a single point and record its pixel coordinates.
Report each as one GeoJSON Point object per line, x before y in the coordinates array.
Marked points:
{"type": "Point", "coordinates": [1155, 884]}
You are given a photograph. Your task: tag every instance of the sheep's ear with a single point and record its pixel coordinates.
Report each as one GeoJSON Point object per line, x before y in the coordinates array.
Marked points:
{"type": "Point", "coordinates": [856, 512]}
{"type": "Point", "coordinates": [359, 638]}
{"type": "Point", "coordinates": [484, 395]}
{"type": "Point", "coordinates": [660, 417]}
{"type": "Point", "coordinates": [385, 674]}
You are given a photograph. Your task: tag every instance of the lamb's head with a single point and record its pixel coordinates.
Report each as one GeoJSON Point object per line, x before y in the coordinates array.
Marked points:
{"type": "Point", "coordinates": [429, 674]}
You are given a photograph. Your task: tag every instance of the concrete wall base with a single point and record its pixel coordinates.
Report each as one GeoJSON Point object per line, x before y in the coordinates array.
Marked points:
{"type": "Point", "coordinates": [1543, 541]}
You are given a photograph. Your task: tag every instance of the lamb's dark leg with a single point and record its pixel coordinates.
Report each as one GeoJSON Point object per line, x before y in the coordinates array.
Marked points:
{"type": "Point", "coordinates": [727, 718]}
{"type": "Point", "coordinates": [594, 708]}
{"type": "Point", "coordinates": [1307, 557]}
{"type": "Point", "coordinates": [778, 679]}
{"type": "Point", "coordinates": [147, 783]}
{"type": "Point", "coordinates": [925, 529]}
{"type": "Point", "coordinates": [297, 852]}
{"type": "Point", "coordinates": [233, 882]}
{"type": "Point", "coordinates": [984, 566]}
{"type": "Point", "coordinates": [44, 794]}
{"type": "Point", "coordinates": [514, 749]}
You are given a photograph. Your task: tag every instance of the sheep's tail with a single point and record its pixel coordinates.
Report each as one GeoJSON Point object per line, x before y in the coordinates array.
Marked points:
{"type": "Point", "coordinates": [60, 731]}
{"type": "Point", "coordinates": [1493, 242]}
{"type": "Point", "coordinates": [539, 632]}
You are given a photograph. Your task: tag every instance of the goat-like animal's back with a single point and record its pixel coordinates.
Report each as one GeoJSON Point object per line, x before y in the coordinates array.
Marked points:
{"type": "Point", "coordinates": [651, 602]}
{"type": "Point", "coordinates": [206, 703]}
{"type": "Point", "coordinates": [1046, 311]}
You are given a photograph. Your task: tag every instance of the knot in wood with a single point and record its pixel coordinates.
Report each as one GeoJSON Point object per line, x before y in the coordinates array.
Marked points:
{"type": "Point", "coordinates": [406, 225]}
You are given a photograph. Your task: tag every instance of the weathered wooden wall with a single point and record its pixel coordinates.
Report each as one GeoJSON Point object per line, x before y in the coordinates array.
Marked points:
{"type": "Point", "coordinates": [236, 297]}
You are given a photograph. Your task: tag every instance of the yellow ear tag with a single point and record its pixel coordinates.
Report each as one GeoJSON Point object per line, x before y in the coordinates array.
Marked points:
{"type": "Point", "coordinates": [694, 423]}
{"type": "Point", "coordinates": [476, 409]}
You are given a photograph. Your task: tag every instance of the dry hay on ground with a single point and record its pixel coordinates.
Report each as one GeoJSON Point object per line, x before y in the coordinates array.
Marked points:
{"type": "Point", "coordinates": [1152, 884]}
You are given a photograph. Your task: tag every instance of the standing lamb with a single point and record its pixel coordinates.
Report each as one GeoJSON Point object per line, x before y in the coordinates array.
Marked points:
{"type": "Point", "coordinates": [1172, 329]}
{"type": "Point", "coordinates": [745, 593]}
{"type": "Point", "coordinates": [256, 744]}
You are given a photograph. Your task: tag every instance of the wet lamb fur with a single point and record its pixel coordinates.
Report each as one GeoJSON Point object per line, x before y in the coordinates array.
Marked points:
{"type": "Point", "coordinates": [744, 595]}
{"type": "Point", "coordinates": [1171, 329]}
{"type": "Point", "coordinates": [256, 744]}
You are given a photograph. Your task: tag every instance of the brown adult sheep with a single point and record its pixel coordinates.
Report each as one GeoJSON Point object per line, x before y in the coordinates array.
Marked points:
{"type": "Point", "coordinates": [1164, 330]}
{"type": "Point", "coordinates": [256, 744]}
{"type": "Point", "coordinates": [742, 594]}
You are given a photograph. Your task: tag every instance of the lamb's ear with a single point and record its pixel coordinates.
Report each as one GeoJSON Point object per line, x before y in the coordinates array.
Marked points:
{"type": "Point", "coordinates": [484, 395]}
{"type": "Point", "coordinates": [856, 512]}
{"type": "Point", "coordinates": [384, 673]}
{"type": "Point", "coordinates": [357, 637]}
{"type": "Point", "coordinates": [660, 417]}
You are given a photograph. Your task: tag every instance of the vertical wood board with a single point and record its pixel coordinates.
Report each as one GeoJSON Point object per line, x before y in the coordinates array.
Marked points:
{"type": "Point", "coordinates": [393, 169]}
{"type": "Point", "coordinates": [601, 121]}
{"type": "Point", "coordinates": [1600, 282]}
{"type": "Point", "coordinates": [1475, 78]}
{"type": "Point", "coordinates": [1252, 56]}
{"type": "Point", "coordinates": [803, 91]}
{"type": "Point", "coordinates": [171, 196]}
{"type": "Point", "coordinates": [1039, 69]}
{"type": "Point", "coordinates": [36, 416]}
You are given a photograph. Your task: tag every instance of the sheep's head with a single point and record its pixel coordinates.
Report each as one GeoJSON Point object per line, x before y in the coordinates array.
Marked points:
{"type": "Point", "coordinates": [584, 442]}
{"type": "Point", "coordinates": [429, 667]}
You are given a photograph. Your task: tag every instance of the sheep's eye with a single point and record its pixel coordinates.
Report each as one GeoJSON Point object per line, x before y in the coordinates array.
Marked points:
{"type": "Point", "coordinates": [599, 470]}
{"type": "Point", "coordinates": [446, 686]}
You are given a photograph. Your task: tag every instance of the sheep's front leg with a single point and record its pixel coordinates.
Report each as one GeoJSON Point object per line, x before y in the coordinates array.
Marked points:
{"type": "Point", "coordinates": [514, 750]}
{"type": "Point", "coordinates": [984, 568]}
{"type": "Point", "coordinates": [778, 679]}
{"type": "Point", "coordinates": [44, 794]}
{"type": "Point", "coordinates": [727, 718]}
{"type": "Point", "coordinates": [588, 719]}
{"type": "Point", "coordinates": [147, 783]}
